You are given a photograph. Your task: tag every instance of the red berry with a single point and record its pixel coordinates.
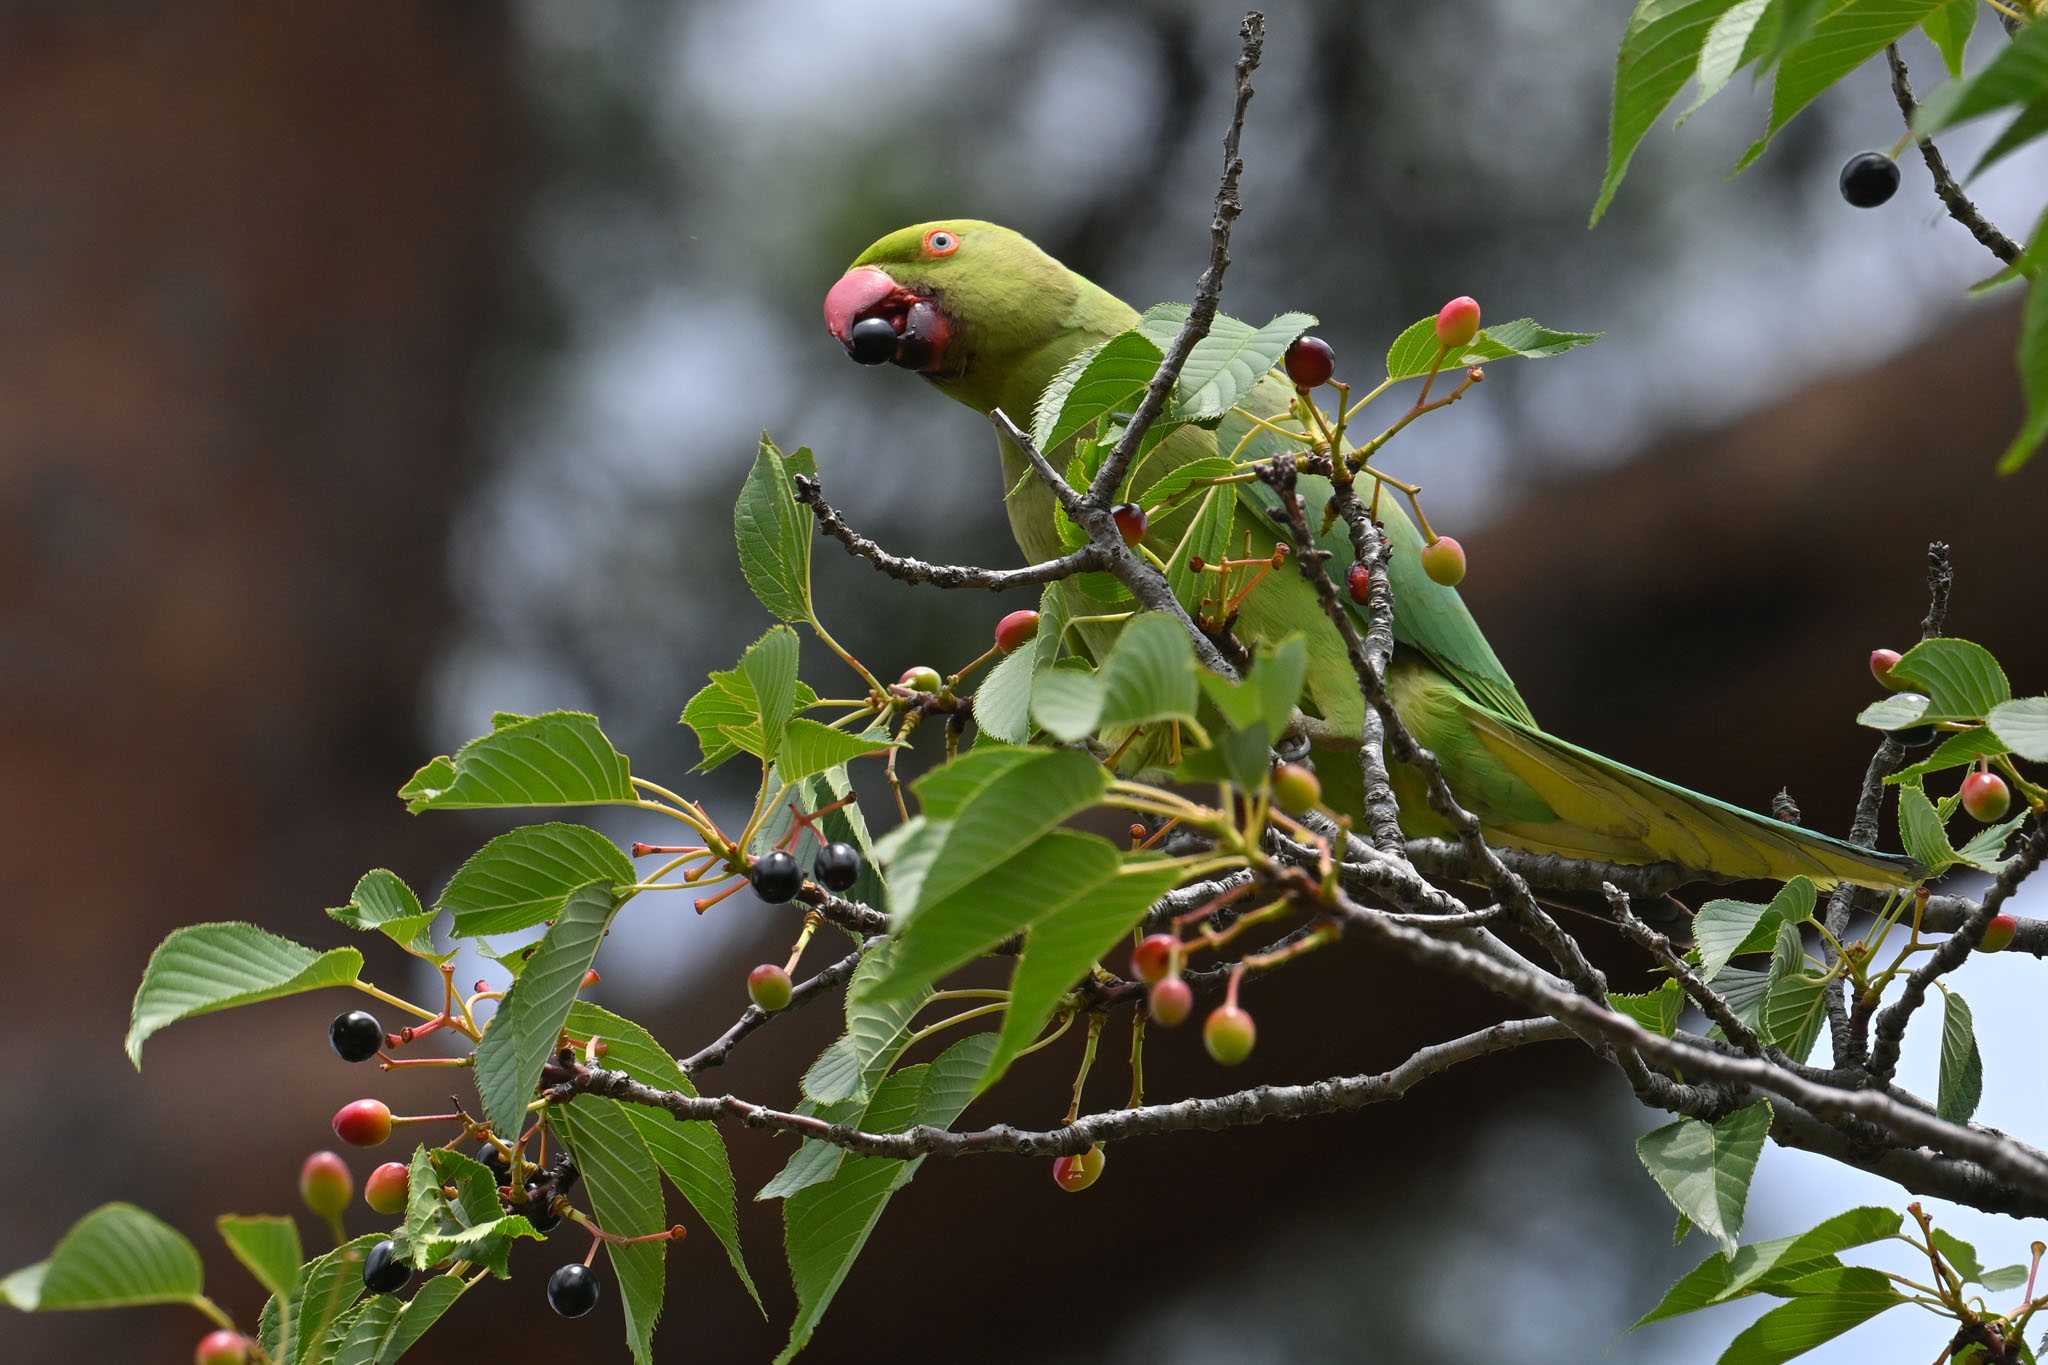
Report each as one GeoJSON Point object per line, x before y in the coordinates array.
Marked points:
{"type": "Point", "coordinates": [386, 1189]}
{"type": "Point", "coordinates": [1130, 521]}
{"type": "Point", "coordinates": [1016, 630]}
{"type": "Point", "coordinates": [1998, 934]}
{"type": "Point", "coordinates": [1310, 362]}
{"type": "Point", "coordinates": [768, 986]}
{"type": "Point", "coordinates": [1196, 564]}
{"type": "Point", "coordinates": [1986, 797]}
{"type": "Point", "coordinates": [1153, 957]}
{"type": "Point", "coordinates": [1170, 1002]}
{"type": "Point", "coordinates": [1295, 789]}
{"type": "Point", "coordinates": [363, 1123]}
{"type": "Point", "coordinates": [1076, 1173]}
{"type": "Point", "coordinates": [222, 1348]}
{"type": "Point", "coordinates": [1443, 559]}
{"type": "Point", "coordinates": [1881, 661]}
{"type": "Point", "coordinates": [920, 678]}
{"type": "Point", "coordinates": [1228, 1034]}
{"type": "Point", "coordinates": [325, 1184]}
{"type": "Point", "coordinates": [1457, 322]}
{"type": "Point", "coordinates": [1359, 579]}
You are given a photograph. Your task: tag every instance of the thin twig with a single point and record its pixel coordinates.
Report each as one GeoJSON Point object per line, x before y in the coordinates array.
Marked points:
{"type": "Point", "coordinates": [753, 1017]}
{"type": "Point", "coordinates": [1951, 194]}
{"type": "Point", "coordinates": [905, 569]}
{"type": "Point", "coordinates": [1699, 992]}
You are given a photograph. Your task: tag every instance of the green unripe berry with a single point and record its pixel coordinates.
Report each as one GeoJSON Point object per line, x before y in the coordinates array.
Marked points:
{"type": "Point", "coordinates": [325, 1184]}
{"type": "Point", "coordinates": [1986, 797]}
{"type": "Point", "coordinates": [1443, 559]}
{"type": "Point", "coordinates": [1076, 1173]}
{"type": "Point", "coordinates": [769, 987]}
{"type": "Point", "coordinates": [1295, 789]}
{"type": "Point", "coordinates": [920, 678]}
{"type": "Point", "coordinates": [1228, 1033]}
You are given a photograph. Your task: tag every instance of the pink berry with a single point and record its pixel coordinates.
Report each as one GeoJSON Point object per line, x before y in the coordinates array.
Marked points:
{"type": "Point", "coordinates": [1228, 1034]}
{"type": "Point", "coordinates": [1986, 797]}
{"type": "Point", "coordinates": [1359, 580]}
{"type": "Point", "coordinates": [1881, 662]}
{"type": "Point", "coordinates": [1076, 1173]}
{"type": "Point", "coordinates": [363, 1123]}
{"type": "Point", "coordinates": [325, 1184]}
{"type": "Point", "coordinates": [1310, 362]}
{"type": "Point", "coordinates": [769, 987]}
{"type": "Point", "coordinates": [1998, 934]}
{"type": "Point", "coordinates": [1457, 322]}
{"type": "Point", "coordinates": [1170, 1002]}
{"type": "Point", "coordinates": [1153, 957]}
{"type": "Point", "coordinates": [1131, 521]}
{"type": "Point", "coordinates": [387, 1188]}
{"type": "Point", "coordinates": [1443, 559]}
{"type": "Point", "coordinates": [920, 678]}
{"type": "Point", "coordinates": [222, 1348]}
{"type": "Point", "coordinates": [1016, 630]}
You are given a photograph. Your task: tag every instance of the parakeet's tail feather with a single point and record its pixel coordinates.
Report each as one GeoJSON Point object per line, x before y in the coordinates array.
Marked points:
{"type": "Point", "coordinates": [1608, 810]}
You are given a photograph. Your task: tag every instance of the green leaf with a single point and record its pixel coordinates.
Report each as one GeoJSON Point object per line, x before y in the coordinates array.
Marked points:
{"type": "Point", "coordinates": [827, 1225]}
{"type": "Point", "coordinates": [522, 877]}
{"type": "Point", "coordinates": [1732, 43]}
{"type": "Point", "coordinates": [1657, 1010]}
{"type": "Point", "coordinates": [2033, 363]}
{"type": "Point", "coordinates": [809, 748]}
{"type": "Point", "coordinates": [1965, 746]}
{"type": "Point", "coordinates": [1094, 384]}
{"type": "Point", "coordinates": [2004, 1278]}
{"type": "Point", "coordinates": [383, 903]}
{"type": "Point", "coordinates": [267, 1245]}
{"type": "Point", "coordinates": [1181, 478]}
{"type": "Point", "coordinates": [1705, 1169]}
{"type": "Point", "coordinates": [995, 821]}
{"type": "Point", "coordinates": [1268, 694]}
{"type": "Point", "coordinates": [1949, 29]}
{"type": "Point", "coordinates": [1224, 365]}
{"type": "Point", "coordinates": [388, 1327]}
{"type": "Point", "coordinates": [557, 759]}
{"type": "Point", "coordinates": [1208, 536]}
{"type": "Point", "coordinates": [1961, 680]}
{"type": "Point", "coordinates": [2023, 726]}
{"type": "Point", "coordinates": [1921, 831]}
{"type": "Point", "coordinates": [691, 1155]}
{"type": "Point", "coordinates": [1013, 895]}
{"type": "Point", "coordinates": [1848, 34]}
{"type": "Point", "coordinates": [204, 968]}
{"type": "Point", "coordinates": [1149, 676]}
{"type": "Point", "coordinates": [1727, 928]}
{"type": "Point", "coordinates": [1895, 712]}
{"type": "Point", "coordinates": [1659, 52]}
{"type": "Point", "coordinates": [1088, 902]}
{"type": "Point", "coordinates": [326, 1288]}
{"type": "Point", "coordinates": [522, 1035]}
{"type": "Point", "coordinates": [732, 713]}
{"type": "Point", "coordinates": [1002, 704]}
{"type": "Point", "coordinates": [774, 534]}
{"type": "Point", "coordinates": [1721, 1278]}
{"type": "Point", "coordinates": [1415, 349]}
{"type": "Point", "coordinates": [625, 1196]}
{"type": "Point", "coordinates": [2017, 76]}
{"type": "Point", "coordinates": [1795, 1005]}
{"type": "Point", "coordinates": [875, 1033]}
{"type": "Point", "coordinates": [1838, 1299]}
{"type": "Point", "coordinates": [1067, 702]}
{"type": "Point", "coordinates": [1962, 1070]}
{"type": "Point", "coordinates": [1986, 849]}
{"type": "Point", "coordinates": [470, 1226]}
{"type": "Point", "coordinates": [117, 1256]}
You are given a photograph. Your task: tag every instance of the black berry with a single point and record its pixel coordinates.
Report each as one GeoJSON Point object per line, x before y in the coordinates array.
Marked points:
{"type": "Point", "coordinates": [1310, 362]}
{"type": "Point", "coordinates": [572, 1290]}
{"type": "Point", "coordinates": [838, 866]}
{"type": "Point", "coordinates": [494, 1159]}
{"type": "Point", "coordinates": [356, 1036]}
{"type": "Point", "coordinates": [565, 1174]}
{"type": "Point", "coordinates": [872, 342]}
{"type": "Point", "coordinates": [383, 1271]}
{"type": "Point", "coordinates": [1869, 178]}
{"type": "Point", "coordinates": [776, 877]}
{"type": "Point", "coordinates": [540, 1212]}
{"type": "Point", "coordinates": [1914, 736]}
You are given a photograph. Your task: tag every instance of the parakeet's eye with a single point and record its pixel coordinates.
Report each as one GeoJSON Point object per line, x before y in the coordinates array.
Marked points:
{"type": "Point", "coordinates": [939, 242]}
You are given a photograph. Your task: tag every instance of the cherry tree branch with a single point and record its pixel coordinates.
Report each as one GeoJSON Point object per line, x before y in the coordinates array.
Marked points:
{"type": "Point", "coordinates": [1950, 193]}
{"type": "Point", "coordinates": [905, 569]}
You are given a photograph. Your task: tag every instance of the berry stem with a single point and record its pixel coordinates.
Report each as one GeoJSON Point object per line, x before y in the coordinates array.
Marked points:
{"type": "Point", "coordinates": [1066, 1022]}
{"type": "Point", "coordinates": [1095, 1023]}
{"type": "Point", "coordinates": [1137, 1059]}
{"type": "Point", "coordinates": [387, 1062]}
{"type": "Point", "coordinates": [704, 903]}
{"type": "Point", "coordinates": [965, 1015]}
{"type": "Point", "coordinates": [803, 940]}
{"type": "Point", "coordinates": [418, 1011]}
{"type": "Point", "coordinates": [967, 669]}
{"type": "Point", "coordinates": [213, 1311]}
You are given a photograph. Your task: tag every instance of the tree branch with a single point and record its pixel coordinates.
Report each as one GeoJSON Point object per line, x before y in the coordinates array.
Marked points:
{"type": "Point", "coordinates": [908, 570]}
{"type": "Point", "coordinates": [753, 1017]}
{"type": "Point", "coordinates": [1951, 194]}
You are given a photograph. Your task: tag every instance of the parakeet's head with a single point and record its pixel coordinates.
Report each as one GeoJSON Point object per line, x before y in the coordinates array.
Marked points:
{"type": "Point", "coordinates": [975, 307]}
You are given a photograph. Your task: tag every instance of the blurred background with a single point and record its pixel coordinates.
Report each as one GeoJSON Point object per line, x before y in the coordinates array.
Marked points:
{"type": "Point", "coordinates": [368, 369]}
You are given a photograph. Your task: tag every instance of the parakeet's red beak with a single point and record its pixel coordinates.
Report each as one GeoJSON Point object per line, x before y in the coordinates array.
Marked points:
{"type": "Point", "coordinates": [878, 320]}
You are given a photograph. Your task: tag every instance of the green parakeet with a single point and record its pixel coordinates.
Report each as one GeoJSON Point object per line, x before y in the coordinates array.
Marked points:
{"type": "Point", "coordinates": [990, 319]}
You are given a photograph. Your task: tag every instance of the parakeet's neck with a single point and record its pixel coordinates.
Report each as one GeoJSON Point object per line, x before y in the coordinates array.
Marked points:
{"type": "Point", "coordinates": [1015, 351]}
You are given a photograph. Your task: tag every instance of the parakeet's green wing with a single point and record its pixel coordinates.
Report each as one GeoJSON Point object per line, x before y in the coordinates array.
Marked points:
{"type": "Point", "coordinates": [1427, 616]}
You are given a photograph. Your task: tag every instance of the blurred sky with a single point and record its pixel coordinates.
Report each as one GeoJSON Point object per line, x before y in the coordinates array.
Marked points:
{"type": "Point", "coordinates": [698, 172]}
